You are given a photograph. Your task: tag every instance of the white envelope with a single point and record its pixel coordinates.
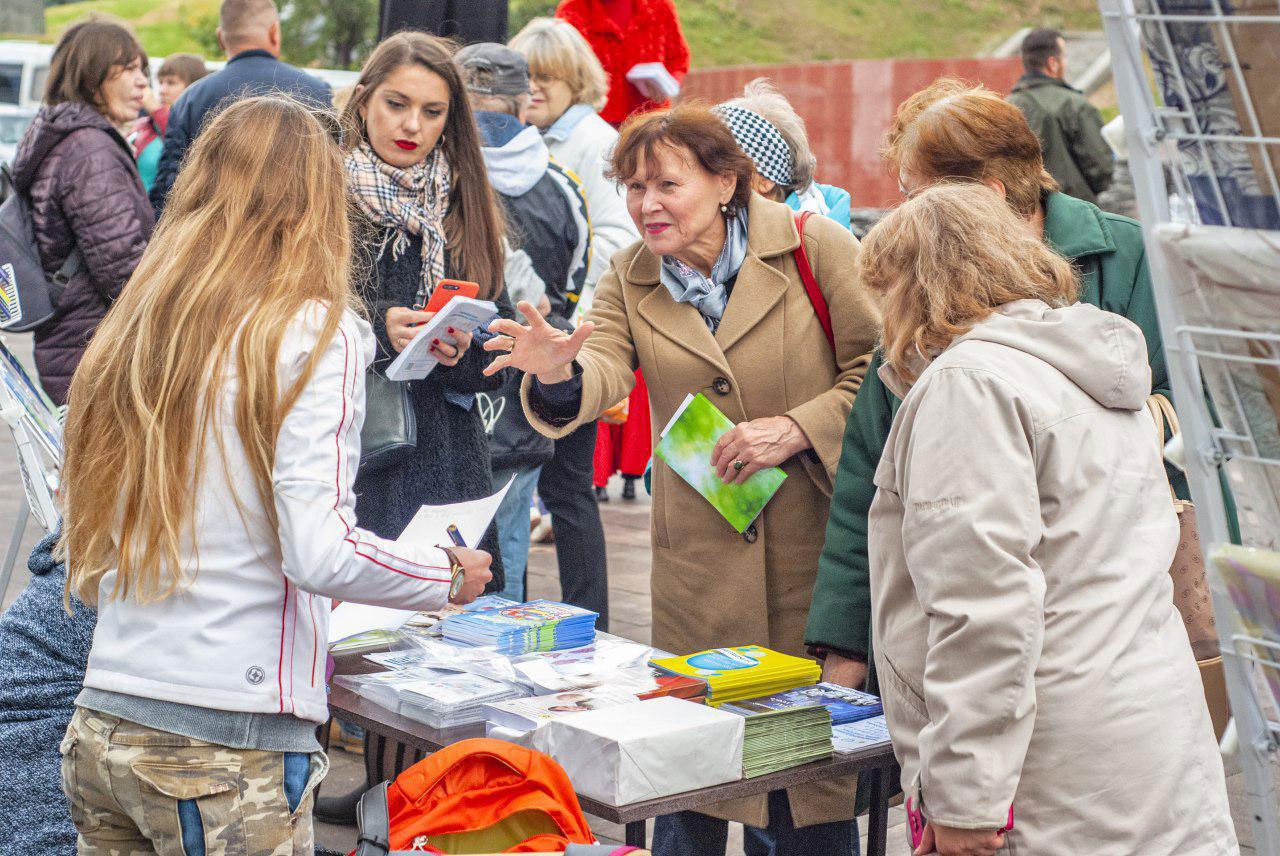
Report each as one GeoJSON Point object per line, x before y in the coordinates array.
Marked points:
{"type": "Point", "coordinates": [645, 750]}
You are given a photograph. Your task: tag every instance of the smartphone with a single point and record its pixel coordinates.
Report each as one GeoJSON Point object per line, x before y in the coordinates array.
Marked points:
{"type": "Point", "coordinates": [447, 289]}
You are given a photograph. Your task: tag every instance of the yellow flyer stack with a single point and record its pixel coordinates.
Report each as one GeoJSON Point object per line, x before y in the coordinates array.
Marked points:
{"type": "Point", "coordinates": [742, 672]}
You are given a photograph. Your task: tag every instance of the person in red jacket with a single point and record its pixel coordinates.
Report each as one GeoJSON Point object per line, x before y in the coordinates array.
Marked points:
{"type": "Point", "coordinates": [624, 34]}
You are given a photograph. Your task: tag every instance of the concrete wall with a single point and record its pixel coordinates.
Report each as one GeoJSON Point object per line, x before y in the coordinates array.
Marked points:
{"type": "Point", "coordinates": [848, 106]}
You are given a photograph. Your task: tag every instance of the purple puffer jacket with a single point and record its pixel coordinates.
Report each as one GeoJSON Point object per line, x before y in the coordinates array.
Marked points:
{"type": "Point", "coordinates": [85, 192]}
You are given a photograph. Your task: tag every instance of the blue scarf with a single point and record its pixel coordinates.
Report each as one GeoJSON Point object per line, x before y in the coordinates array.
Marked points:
{"type": "Point", "coordinates": [709, 294]}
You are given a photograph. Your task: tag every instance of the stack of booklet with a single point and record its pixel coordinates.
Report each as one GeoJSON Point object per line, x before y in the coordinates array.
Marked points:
{"type": "Point", "coordinates": [746, 671]}
{"type": "Point", "coordinates": [436, 698]}
{"type": "Point", "coordinates": [844, 704]}
{"type": "Point", "coordinates": [777, 739]}
{"type": "Point", "coordinates": [540, 625]}
{"type": "Point", "coordinates": [853, 736]}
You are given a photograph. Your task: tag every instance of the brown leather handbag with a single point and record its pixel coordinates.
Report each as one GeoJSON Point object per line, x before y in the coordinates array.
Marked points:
{"type": "Point", "coordinates": [1191, 586]}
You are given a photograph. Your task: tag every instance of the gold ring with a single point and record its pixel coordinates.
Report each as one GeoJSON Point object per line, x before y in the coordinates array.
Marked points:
{"type": "Point", "coordinates": [737, 466]}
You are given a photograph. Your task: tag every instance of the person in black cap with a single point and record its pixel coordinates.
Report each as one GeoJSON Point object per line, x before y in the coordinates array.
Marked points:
{"type": "Point", "coordinates": [546, 265]}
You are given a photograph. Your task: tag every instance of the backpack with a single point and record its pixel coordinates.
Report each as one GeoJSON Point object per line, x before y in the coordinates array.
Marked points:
{"type": "Point", "coordinates": [475, 796]}
{"type": "Point", "coordinates": [27, 297]}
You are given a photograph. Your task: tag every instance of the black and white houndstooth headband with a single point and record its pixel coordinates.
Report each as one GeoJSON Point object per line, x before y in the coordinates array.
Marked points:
{"type": "Point", "coordinates": [760, 141]}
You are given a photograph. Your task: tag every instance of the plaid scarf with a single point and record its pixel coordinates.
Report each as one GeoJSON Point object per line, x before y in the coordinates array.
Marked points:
{"type": "Point", "coordinates": [409, 201]}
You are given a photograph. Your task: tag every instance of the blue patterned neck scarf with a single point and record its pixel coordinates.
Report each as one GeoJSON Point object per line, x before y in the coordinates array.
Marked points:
{"type": "Point", "coordinates": [709, 294]}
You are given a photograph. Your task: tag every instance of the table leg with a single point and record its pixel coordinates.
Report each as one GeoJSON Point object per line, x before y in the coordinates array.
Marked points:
{"type": "Point", "coordinates": [635, 834]}
{"type": "Point", "coordinates": [878, 817]}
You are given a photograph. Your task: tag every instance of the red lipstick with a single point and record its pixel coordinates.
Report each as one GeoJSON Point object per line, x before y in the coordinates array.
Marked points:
{"type": "Point", "coordinates": [407, 145]}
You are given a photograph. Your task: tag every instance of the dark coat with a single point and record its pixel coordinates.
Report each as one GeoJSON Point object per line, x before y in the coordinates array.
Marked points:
{"type": "Point", "coordinates": [43, 652]}
{"type": "Point", "coordinates": [1070, 132]}
{"type": "Point", "coordinates": [451, 462]}
{"type": "Point", "coordinates": [253, 72]}
{"type": "Point", "coordinates": [547, 221]}
{"type": "Point", "coordinates": [85, 192]}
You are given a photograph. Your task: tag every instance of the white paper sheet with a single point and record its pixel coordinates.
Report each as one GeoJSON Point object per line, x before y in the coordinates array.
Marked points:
{"type": "Point", "coordinates": [348, 619]}
{"type": "Point", "coordinates": [461, 313]}
{"type": "Point", "coordinates": [429, 527]}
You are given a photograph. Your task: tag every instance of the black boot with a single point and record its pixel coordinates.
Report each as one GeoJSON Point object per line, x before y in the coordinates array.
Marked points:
{"type": "Point", "coordinates": [629, 487]}
{"type": "Point", "coordinates": [602, 494]}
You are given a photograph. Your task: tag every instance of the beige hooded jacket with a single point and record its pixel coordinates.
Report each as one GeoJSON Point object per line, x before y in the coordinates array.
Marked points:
{"type": "Point", "coordinates": [1029, 652]}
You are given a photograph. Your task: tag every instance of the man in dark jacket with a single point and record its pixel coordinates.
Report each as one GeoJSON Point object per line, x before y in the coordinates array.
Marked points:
{"type": "Point", "coordinates": [546, 263]}
{"type": "Point", "coordinates": [249, 32]}
{"type": "Point", "coordinates": [1069, 127]}
{"type": "Point", "coordinates": [43, 651]}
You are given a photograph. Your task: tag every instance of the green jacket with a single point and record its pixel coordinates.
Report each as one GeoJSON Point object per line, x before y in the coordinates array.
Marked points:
{"type": "Point", "coordinates": [1108, 251]}
{"type": "Point", "coordinates": [1070, 132]}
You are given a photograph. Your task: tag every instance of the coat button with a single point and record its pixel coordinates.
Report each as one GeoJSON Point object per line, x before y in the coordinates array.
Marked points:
{"type": "Point", "coordinates": [721, 385]}
{"type": "Point", "coordinates": [749, 534]}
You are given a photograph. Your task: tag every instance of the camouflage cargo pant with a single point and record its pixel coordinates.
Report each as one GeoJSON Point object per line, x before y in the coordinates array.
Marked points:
{"type": "Point", "coordinates": [135, 790]}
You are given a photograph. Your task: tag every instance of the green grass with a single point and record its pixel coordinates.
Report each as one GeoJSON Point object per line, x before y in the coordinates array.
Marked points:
{"type": "Point", "coordinates": [720, 32]}
{"type": "Point", "coordinates": [163, 26]}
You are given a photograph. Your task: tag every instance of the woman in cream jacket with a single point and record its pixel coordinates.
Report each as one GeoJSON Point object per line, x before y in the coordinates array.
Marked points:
{"type": "Point", "coordinates": [1039, 686]}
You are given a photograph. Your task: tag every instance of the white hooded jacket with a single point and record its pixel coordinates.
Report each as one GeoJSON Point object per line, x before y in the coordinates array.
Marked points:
{"type": "Point", "coordinates": [1028, 649]}
{"type": "Point", "coordinates": [251, 631]}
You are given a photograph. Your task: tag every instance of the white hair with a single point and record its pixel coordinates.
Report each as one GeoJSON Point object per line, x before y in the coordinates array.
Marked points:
{"type": "Point", "coordinates": [760, 96]}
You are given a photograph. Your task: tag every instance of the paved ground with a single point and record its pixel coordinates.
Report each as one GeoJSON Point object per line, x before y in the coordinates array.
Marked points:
{"type": "Point", "coordinates": [627, 528]}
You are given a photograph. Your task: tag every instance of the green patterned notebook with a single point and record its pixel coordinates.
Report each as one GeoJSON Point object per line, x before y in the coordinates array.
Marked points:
{"type": "Point", "coordinates": [686, 445]}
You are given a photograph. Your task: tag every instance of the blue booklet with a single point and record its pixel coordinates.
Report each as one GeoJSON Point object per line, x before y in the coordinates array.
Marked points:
{"type": "Point", "coordinates": [540, 625]}
{"type": "Point", "coordinates": [845, 705]}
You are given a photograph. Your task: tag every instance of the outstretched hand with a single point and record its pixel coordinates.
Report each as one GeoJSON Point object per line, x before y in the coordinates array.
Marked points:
{"type": "Point", "coordinates": [536, 348]}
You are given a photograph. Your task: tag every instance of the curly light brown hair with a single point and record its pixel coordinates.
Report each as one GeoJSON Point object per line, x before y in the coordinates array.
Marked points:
{"type": "Point", "coordinates": [954, 129]}
{"type": "Point", "coordinates": [945, 259]}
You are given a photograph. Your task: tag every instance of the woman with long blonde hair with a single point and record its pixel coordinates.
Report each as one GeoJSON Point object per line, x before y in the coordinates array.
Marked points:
{"type": "Point", "coordinates": [1039, 687]}
{"type": "Point", "coordinates": [212, 441]}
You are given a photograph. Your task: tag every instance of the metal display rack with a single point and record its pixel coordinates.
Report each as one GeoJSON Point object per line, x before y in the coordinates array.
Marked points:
{"type": "Point", "coordinates": [36, 426]}
{"type": "Point", "coordinates": [1197, 82]}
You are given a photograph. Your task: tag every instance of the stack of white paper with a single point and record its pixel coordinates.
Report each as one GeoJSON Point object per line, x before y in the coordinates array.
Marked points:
{"type": "Point", "coordinates": [644, 750]}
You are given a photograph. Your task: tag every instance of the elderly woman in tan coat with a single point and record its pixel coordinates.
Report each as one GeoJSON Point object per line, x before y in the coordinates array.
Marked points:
{"type": "Point", "coordinates": [711, 301]}
{"type": "Point", "coordinates": [1038, 682]}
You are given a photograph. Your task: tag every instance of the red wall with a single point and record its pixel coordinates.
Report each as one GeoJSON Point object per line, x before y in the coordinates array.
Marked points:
{"type": "Point", "coordinates": [849, 104]}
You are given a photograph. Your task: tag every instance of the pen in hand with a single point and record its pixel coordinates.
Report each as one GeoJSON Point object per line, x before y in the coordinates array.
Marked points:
{"type": "Point", "coordinates": [459, 577]}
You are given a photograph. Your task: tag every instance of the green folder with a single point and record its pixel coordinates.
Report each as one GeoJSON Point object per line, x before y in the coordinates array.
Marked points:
{"type": "Point", "coordinates": [686, 445]}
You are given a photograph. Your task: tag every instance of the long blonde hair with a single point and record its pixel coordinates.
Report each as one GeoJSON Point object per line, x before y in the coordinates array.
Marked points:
{"type": "Point", "coordinates": [247, 239]}
{"type": "Point", "coordinates": [945, 259]}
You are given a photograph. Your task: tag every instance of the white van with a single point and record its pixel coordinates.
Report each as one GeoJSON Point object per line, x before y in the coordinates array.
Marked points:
{"type": "Point", "coordinates": [24, 67]}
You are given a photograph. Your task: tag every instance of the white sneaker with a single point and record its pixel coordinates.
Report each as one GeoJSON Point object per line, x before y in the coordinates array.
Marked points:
{"type": "Point", "coordinates": [541, 533]}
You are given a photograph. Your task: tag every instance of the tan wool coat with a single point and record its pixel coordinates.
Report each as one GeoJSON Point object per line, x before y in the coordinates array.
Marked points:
{"type": "Point", "coordinates": [711, 586]}
{"type": "Point", "coordinates": [1029, 651]}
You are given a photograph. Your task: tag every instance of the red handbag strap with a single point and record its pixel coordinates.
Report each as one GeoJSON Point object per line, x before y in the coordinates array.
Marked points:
{"type": "Point", "coordinates": [811, 283]}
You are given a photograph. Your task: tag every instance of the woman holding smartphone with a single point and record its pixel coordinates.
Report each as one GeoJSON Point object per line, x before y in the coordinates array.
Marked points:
{"type": "Point", "coordinates": [427, 214]}
{"type": "Point", "coordinates": [209, 511]}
